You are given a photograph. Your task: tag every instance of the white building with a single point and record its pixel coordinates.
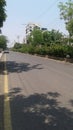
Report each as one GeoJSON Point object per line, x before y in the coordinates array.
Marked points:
{"type": "Point", "coordinates": [29, 29]}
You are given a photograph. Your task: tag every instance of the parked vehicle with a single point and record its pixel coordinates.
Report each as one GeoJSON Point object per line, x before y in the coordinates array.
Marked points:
{"type": "Point", "coordinates": [6, 51]}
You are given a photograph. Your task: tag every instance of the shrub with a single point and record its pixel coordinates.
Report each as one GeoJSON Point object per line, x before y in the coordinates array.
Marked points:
{"type": "Point", "coordinates": [52, 50]}
{"type": "Point", "coordinates": [43, 50]}
{"type": "Point", "coordinates": [60, 50]}
{"type": "Point", "coordinates": [31, 49]}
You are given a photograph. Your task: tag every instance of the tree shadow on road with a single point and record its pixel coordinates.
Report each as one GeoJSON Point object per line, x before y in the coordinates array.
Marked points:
{"type": "Point", "coordinates": [1, 68]}
{"type": "Point", "coordinates": [13, 67]}
{"type": "Point", "coordinates": [39, 112]}
{"type": "Point", "coordinates": [1, 112]}
{"type": "Point", "coordinates": [36, 111]}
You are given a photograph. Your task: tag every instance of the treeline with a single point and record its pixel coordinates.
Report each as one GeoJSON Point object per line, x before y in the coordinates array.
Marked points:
{"type": "Point", "coordinates": [51, 43]}
{"type": "Point", "coordinates": [52, 50]}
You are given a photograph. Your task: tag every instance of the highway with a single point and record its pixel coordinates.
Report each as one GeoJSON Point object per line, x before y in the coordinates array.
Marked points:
{"type": "Point", "coordinates": [37, 93]}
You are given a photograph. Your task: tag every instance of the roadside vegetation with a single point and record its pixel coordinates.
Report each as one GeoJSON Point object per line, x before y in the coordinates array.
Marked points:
{"type": "Point", "coordinates": [51, 43]}
{"type": "Point", "coordinates": [2, 12]}
{"type": "Point", "coordinates": [3, 39]}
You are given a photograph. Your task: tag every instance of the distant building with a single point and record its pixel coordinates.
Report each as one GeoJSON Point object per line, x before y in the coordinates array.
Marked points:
{"type": "Point", "coordinates": [29, 29]}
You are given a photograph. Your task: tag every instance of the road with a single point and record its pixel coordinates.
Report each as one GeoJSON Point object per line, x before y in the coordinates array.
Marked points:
{"type": "Point", "coordinates": [40, 93]}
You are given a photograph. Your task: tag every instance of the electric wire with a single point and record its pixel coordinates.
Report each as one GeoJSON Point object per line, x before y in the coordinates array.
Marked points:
{"type": "Point", "coordinates": [49, 8]}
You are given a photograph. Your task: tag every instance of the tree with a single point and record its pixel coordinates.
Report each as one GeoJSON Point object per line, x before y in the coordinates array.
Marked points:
{"type": "Point", "coordinates": [37, 37]}
{"type": "Point", "coordinates": [17, 45]}
{"type": "Point", "coordinates": [56, 36]}
{"type": "Point", "coordinates": [66, 13]}
{"type": "Point", "coordinates": [29, 39]}
{"type": "Point", "coordinates": [46, 37]}
{"type": "Point", "coordinates": [2, 12]}
{"type": "Point", "coordinates": [69, 27]}
{"type": "Point", "coordinates": [52, 36]}
{"type": "Point", "coordinates": [3, 42]}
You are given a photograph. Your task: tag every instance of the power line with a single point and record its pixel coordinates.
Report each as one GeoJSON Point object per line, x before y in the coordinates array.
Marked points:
{"type": "Point", "coordinates": [49, 8]}
{"type": "Point", "coordinates": [53, 20]}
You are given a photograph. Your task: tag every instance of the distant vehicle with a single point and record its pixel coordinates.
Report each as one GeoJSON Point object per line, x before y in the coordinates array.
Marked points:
{"type": "Point", "coordinates": [6, 51]}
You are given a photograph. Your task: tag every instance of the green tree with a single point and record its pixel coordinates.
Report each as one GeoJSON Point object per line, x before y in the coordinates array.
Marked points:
{"type": "Point", "coordinates": [3, 42]}
{"type": "Point", "coordinates": [46, 37]}
{"type": "Point", "coordinates": [66, 13]}
{"type": "Point", "coordinates": [17, 45]}
{"type": "Point", "coordinates": [2, 12]}
{"type": "Point", "coordinates": [69, 27]}
{"type": "Point", "coordinates": [52, 36]}
{"type": "Point", "coordinates": [56, 36]}
{"type": "Point", "coordinates": [29, 39]}
{"type": "Point", "coordinates": [37, 37]}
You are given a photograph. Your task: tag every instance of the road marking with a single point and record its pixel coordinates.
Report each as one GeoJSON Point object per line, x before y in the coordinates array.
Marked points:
{"type": "Point", "coordinates": [7, 113]}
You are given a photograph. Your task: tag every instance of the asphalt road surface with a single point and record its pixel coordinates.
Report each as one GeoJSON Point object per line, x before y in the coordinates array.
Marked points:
{"type": "Point", "coordinates": [40, 93]}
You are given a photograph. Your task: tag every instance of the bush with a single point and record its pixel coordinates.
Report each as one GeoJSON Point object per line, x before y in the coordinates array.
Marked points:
{"type": "Point", "coordinates": [31, 50]}
{"type": "Point", "coordinates": [24, 49]}
{"type": "Point", "coordinates": [60, 50]}
{"type": "Point", "coordinates": [55, 50]}
{"type": "Point", "coordinates": [70, 51]}
{"type": "Point", "coordinates": [43, 50]}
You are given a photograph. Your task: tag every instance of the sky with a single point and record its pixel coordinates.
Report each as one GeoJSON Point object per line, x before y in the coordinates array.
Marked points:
{"type": "Point", "coordinates": [21, 12]}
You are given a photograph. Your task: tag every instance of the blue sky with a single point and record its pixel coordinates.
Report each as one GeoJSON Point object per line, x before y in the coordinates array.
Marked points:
{"type": "Point", "coordinates": [21, 12]}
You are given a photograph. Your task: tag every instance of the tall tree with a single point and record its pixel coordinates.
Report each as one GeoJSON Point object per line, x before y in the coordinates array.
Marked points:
{"type": "Point", "coordinates": [46, 37]}
{"type": "Point", "coordinates": [66, 13]}
{"type": "Point", "coordinates": [17, 45]}
{"type": "Point", "coordinates": [37, 37]}
{"type": "Point", "coordinates": [70, 27]}
{"type": "Point", "coordinates": [3, 42]}
{"type": "Point", "coordinates": [52, 36]}
{"type": "Point", "coordinates": [2, 12]}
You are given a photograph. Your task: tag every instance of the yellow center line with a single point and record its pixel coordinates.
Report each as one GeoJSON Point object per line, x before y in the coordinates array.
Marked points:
{"type": "Point", "coordinates": [7, 113]}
